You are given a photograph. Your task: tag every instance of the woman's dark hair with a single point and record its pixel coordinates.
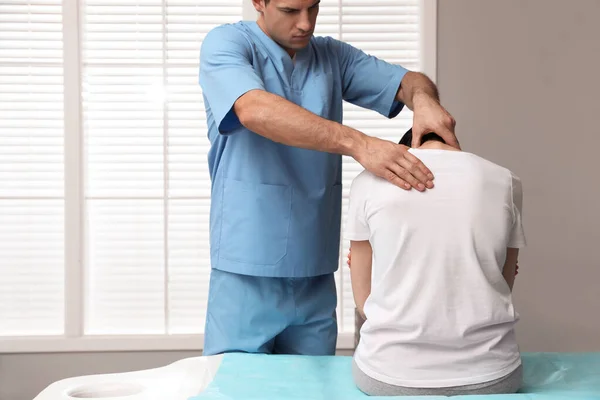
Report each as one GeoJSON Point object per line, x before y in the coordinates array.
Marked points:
{"type": "Point", "coordinates": [407, 138]}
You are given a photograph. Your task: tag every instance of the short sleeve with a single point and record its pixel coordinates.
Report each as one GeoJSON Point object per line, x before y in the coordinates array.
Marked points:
{"type": "Point", "coordinates": [369, 82]}
{"type": "Point", "coordinates": [357, 227]}
{"type": "Point", "coordinates": [226, 73]}
{"type": "Point", "coordinates": [517, 235]}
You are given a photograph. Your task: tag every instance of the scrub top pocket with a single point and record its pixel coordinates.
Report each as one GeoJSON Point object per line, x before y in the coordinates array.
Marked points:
{"type": "Point", "coordinates": [256, 221]}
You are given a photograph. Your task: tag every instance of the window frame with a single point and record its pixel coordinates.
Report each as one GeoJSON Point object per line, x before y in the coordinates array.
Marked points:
{"type": "Point", "coordinates": [73, 340]}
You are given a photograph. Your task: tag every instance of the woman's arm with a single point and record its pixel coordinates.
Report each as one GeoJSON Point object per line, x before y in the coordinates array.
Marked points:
{"type": "Point", "coordinates": [510, 266]}
{"type": "Point", "coordinates": [360, 273]}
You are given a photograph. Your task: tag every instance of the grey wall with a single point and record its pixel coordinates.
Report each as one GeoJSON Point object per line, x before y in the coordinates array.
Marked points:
{"type": "Point", "coordinates": [522, 78]}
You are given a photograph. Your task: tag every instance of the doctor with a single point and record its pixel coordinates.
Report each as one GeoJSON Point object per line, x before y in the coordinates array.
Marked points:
{"type": "Point", "coordinates": [273, 97]}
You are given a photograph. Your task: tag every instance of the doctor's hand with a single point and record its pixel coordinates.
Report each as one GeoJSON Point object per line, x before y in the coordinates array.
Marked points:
{"type": "Point", "coordinates": [394, 163]}
{"type": "Point", "coordinates": [430, 116]}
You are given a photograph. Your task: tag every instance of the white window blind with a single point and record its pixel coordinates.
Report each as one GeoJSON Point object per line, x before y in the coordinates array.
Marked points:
{"type": "Point", "coordinates": [390, 30]}
{"type": "Point", "coordinates": [31, 168]}
{"type": "Point", "coordinates": [147, 184]}
{"type": "Point", "coordinates": [144, 185]}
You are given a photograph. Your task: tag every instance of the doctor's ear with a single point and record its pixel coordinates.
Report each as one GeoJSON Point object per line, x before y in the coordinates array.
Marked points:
{"type": "Point", "coordinates": [259, 5]}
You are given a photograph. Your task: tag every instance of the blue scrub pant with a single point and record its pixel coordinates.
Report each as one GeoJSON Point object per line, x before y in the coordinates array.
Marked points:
{"type": "Point", "coordinates": [255, 314]}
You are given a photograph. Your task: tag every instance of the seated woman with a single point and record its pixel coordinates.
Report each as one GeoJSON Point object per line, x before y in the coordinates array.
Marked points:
{"type": "Point", "coordinates": [437, 299]}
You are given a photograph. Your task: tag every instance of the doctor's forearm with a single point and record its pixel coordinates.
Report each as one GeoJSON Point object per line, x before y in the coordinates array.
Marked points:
{"type": "Point", "coordinates": [413, 85]}
{"type": "Point", "coordinates": [284, 122]}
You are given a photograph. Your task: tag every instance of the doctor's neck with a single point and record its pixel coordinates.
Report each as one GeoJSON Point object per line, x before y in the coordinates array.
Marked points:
{"type": "Point", "coordinates": [261, 24]}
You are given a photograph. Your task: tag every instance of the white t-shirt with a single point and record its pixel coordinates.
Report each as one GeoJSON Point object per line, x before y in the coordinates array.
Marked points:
{"type": "Point", "coordinates": [440, 312]}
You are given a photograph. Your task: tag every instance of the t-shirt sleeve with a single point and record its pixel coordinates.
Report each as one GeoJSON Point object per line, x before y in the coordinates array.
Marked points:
{"type": "Point", "coordinates": [357, 227]}
{"type": "Point", "coordinates": [367, 81]}
{"type": "Point", "coordinates": [226, 73]}
{"type": "Point", "coordinates": [517, 236]}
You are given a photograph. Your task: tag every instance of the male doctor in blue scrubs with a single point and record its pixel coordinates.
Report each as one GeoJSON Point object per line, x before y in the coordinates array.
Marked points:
{"type": "Point", "coordinates": [273, 96]}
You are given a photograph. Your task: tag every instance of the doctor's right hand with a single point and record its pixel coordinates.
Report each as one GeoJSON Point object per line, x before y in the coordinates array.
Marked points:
{"type": "Point", "coordinates": [394, 163]}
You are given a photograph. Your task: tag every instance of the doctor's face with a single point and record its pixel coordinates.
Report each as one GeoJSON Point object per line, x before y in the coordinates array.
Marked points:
{"type": "Point", "coordinates": [290, 23]}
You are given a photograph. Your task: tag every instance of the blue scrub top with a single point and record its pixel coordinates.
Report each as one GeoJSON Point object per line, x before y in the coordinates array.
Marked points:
{"type": "Point", "coordinates": [276, 209]}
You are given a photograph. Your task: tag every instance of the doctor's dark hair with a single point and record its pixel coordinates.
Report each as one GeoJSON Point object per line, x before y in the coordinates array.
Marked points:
{"type": "Point", "coordinates": [407, 138]}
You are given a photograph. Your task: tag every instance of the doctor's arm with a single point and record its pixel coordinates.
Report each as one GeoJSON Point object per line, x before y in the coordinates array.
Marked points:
{"type": "Point", "coordinates": [360, 273]}
{"type": "Point", "coordinates": [284, 122]}
{"type": "Point", "coordinates": [420, 94]}
{"type": "Point", "coordinates": [367, 80]}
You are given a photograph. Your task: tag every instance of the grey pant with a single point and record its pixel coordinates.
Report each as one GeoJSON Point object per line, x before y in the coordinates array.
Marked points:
{"type": "Point", "coordinates": [510, 383]}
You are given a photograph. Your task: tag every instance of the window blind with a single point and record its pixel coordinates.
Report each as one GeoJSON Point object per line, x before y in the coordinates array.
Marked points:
{"type": "Point", "coordinates": [31, 168]}
{"type": "Point", "coordinates": [146, 189]}
{"type": "Point", "coordinates": [147, 186]}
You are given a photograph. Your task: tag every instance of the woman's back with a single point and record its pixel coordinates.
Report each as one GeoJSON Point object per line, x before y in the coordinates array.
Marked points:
{"type": "Point", "coordinates": [440, 313]}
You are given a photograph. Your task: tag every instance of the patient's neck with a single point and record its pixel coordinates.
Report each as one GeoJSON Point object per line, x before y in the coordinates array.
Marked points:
{"type": "Point", "coordinates": [435, 145]}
